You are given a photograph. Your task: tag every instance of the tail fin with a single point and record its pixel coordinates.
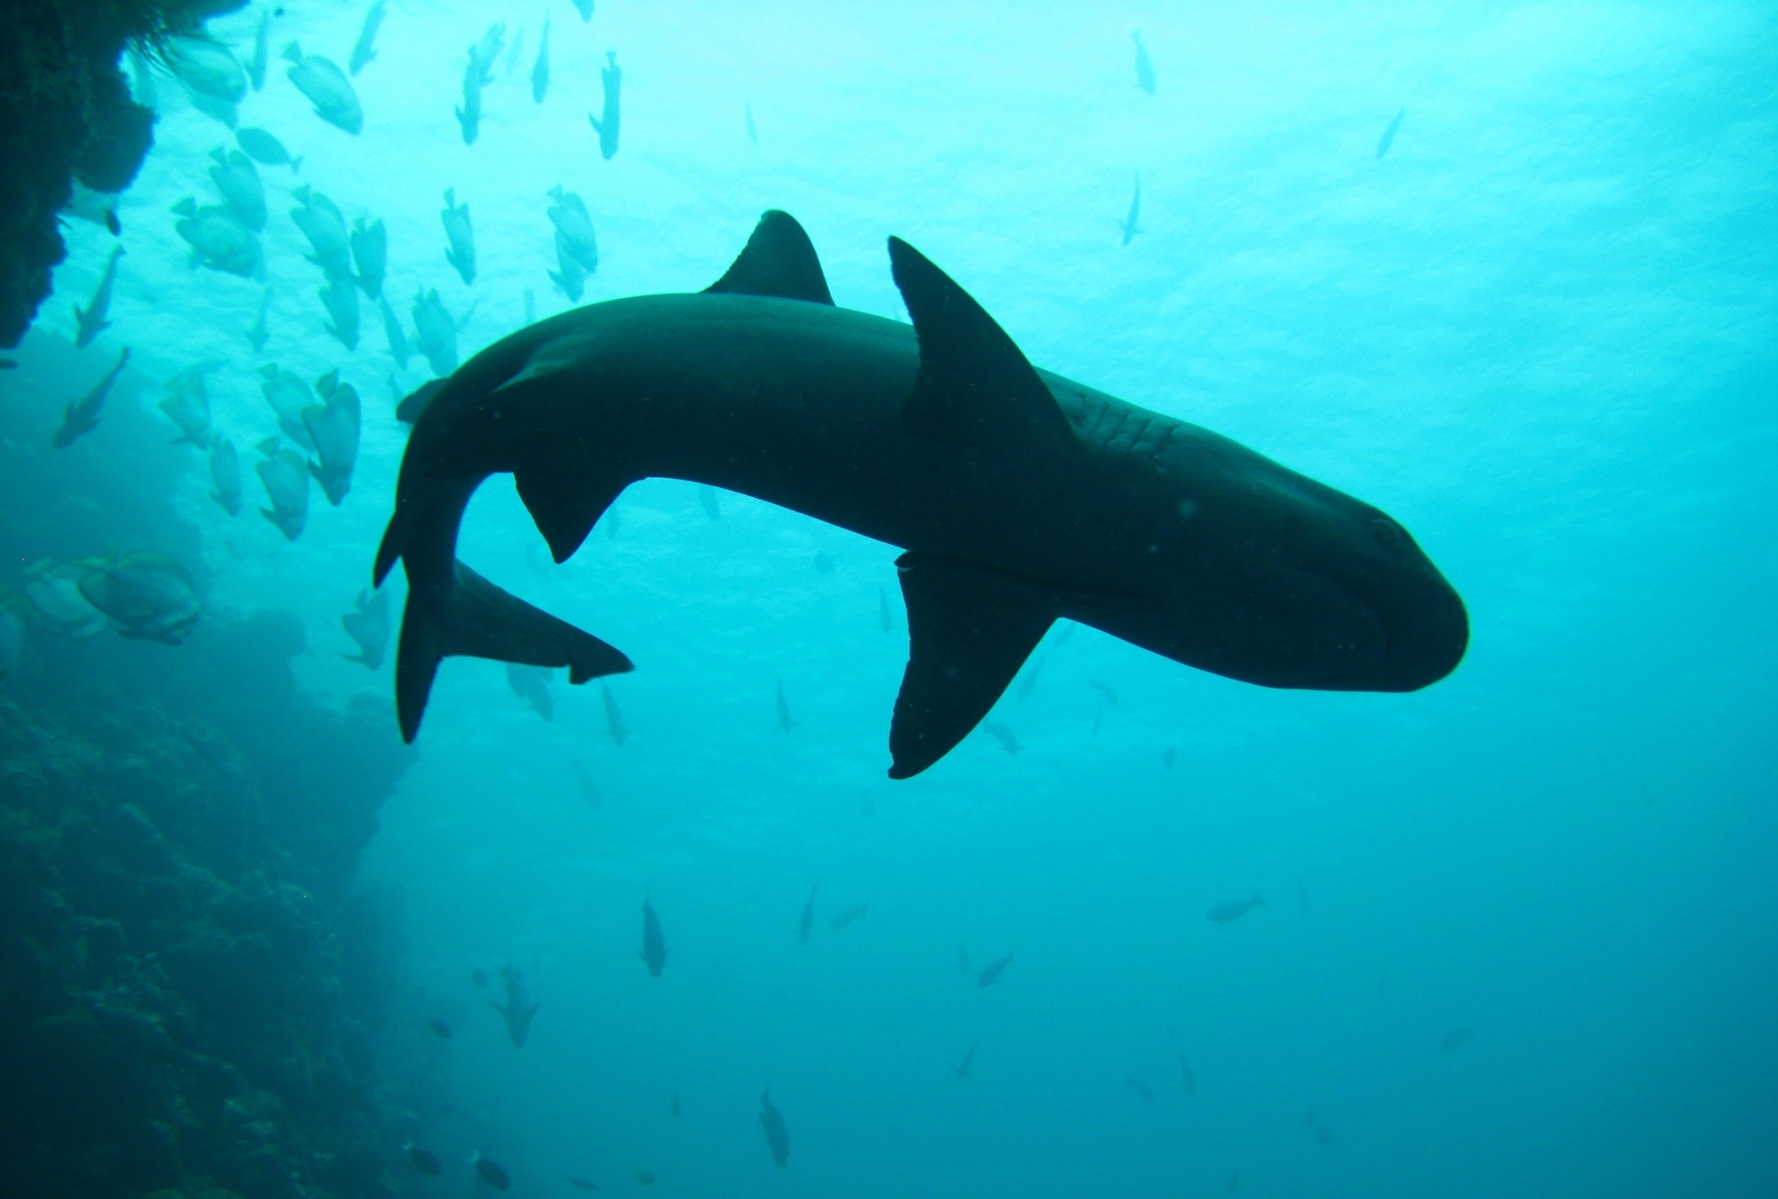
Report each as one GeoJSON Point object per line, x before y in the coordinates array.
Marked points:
{"type": "Point", "coordinates": [474, 618]}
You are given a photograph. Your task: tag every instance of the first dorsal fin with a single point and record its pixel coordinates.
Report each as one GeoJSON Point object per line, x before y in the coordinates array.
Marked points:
{"type": "Point", "coordinates": [974, 386]}
{"type": "Point", "coordinates": [970, 628]}
{"type": "Point", "coordinates": [778, 261]}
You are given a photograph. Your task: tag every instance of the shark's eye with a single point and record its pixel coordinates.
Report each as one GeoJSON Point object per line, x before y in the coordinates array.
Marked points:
{"type": "Point", "coordinates": [1387, 533]}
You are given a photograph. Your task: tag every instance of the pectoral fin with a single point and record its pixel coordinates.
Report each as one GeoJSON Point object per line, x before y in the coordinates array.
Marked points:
{"type": "Point", "coordinates": [970, 628]}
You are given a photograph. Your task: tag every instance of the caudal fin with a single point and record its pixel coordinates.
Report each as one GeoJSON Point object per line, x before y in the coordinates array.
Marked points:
{"type": "Point", "coordinates": [474, 618]}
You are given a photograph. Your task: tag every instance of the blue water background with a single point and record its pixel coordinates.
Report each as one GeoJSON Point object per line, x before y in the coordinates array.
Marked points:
{"type": "Point", "coordinates": [1542, 331]}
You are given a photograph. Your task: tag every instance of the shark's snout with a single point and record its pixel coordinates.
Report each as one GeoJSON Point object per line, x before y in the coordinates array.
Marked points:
{"type": "Point", "coordinates": [1429, 640]}
{"type": "Point", "coordinates": [1423, 630]}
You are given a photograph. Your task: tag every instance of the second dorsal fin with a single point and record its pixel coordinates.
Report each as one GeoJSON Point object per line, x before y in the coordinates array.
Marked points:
{"type": "Point", "coordinates": [779, 261]}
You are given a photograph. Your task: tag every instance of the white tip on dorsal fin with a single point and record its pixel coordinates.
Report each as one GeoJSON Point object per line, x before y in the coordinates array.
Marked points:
{"type": "Point", "coordinates": [778, 261]}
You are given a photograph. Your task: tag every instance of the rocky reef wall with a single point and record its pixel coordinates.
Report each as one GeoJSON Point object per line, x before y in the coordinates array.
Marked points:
{"type": "Point", "coordinates": [66, 114]}
{"type": "Point", "coordinates": [190, 987]}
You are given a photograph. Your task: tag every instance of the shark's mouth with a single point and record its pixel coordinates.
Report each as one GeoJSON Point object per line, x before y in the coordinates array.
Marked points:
{"type": "Point", "coordinates": [1321, 633]}
{"type": "Point", "coordinates": [1404, 641]}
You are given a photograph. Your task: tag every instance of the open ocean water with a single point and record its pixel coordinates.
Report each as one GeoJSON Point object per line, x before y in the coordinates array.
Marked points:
{"type": "Point", "coordinates": [1507, 271]}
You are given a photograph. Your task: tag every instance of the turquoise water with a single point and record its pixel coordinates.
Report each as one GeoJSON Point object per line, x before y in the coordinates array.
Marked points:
{"type": "Point", "coordinates": [1539, 330]}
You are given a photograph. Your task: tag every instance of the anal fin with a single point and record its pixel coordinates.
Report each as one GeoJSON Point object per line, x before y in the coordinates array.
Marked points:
{"type": "Point", "coordinates": [970, 628]}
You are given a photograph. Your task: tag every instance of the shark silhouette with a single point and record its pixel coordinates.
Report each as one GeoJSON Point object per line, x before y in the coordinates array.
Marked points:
{"type": "Point", "coordinates": [1020, 497]}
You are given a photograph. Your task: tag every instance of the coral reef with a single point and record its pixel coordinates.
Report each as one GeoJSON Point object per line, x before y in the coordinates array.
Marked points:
{"type": "Point", "coordinates": [190, 988]}
{"type": "Point", "coordinates": [66, 114]}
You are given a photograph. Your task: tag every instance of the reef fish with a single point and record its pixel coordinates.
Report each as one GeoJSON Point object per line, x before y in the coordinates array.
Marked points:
{"type": "Point", "coordinates": [1020, 497]}
{"type": "Point", "coordinates": [1388, 138]}
{"type": "Point", "coordinates": [262, 51]}
{"type": "Point", "coordinates": [324, 225]}
{"type": "Point", "coordinates": [1234, 909]}
{"type": "Point", "coordinates": [469, 117]}
{"type": "Point", "coordinates": [150, 597]}
{"type": "Point", "coordinates": [485, 53]}
{"type": "Point", "coordinates": [53, 588]}
{"type": "Point", "coordinates": [518, 1009]}
{"type": "Point", "coordinates": [219, 240]}
{"type": "Point", "coordinates": [1186, 1076]}
{"type": "Point", "coordinates": [1455, 1039]}
{"type": "Point", "coordinates": [1003, 734]}
{"type": "Point", "coordinates": [785, 723]}
{"type": "Point", "coordinates": [364, 50]}
{"type": "Point", "coordinates": [339, 295]}
{"type": "Point", "coordinates": [238, 180]}
{"type": "Point", "coordinates": [492, 1173]}
{"type": "Point", "coordinates": [806, 924]}
{"type": "Point", "coordinates": [210, 73]}
{"type": "Point", "coordinates": [99, 207]}
{"type": "Point", "coordinates": [777, 1136]}
{"type": "Point", "coordinates": [962, 1067]}
{"type": "Point", "coordinates": [81, 416]}
{"type": "Point", "coordinates": [585, 8]}
{"type": "Point", "coordinates": [850, 914]}
{"type": "Point", "coordinates": [612, 76]}
{"type": "Point", "coordinates": [370, 253]}
{"type": "Point", "coordinates": [439, 1028]}
{"type": "Point", "coordinates": [1143, 1091]}
{"type": "Point", "coordinates": [90, 321]}
{"type": "Point", "coordinates": [425, 1161]}
{"type": "Point", "coordinates": [289, 398]}
{"type": "Point", "coordinates": [577, 246]}
{"type": "Point", "coordinates": [436, 331]}
{"type": "Point", "coordinates": [225, 475]}
{"type": "Point", "coordinates": [333, 427]}
{"type": "Point", "coordinates": [187, 403]}
{"type": "Point", "coordinates": [265, 149]}
{"type": "Point", "coordinates": [1128, 224]}
{"type": "Point", "coordinates": [461, 235]}
{"type": "Point", "coordinates": [531, 684]}
{"type": "Point", "coordinates": [394, 333]}
{"type": "Point", "coordinates": [368, 625]}
{"type": "Point", "coordinates": [990, 974]}
{"type": "Point", "coordinates": [540, 68]}
{"type": "Point", "coordinates": [654, 946]}
{"type": "Point", "coordinates": [614, 716]}
{"type": "Point", "coordinates": [327, 88]}
{"type": "Point", "coordinates": [1144, 68]}
{"type": "Point", "coordinates": [285, 474]}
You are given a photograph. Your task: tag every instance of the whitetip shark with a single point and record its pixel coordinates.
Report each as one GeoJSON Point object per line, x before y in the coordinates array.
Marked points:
{"type": "Point", "coordinates": [1019, 496]}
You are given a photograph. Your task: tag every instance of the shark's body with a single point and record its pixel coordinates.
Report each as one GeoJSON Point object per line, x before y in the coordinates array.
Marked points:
{"type": "Point", "coordinates": [1020, 496]}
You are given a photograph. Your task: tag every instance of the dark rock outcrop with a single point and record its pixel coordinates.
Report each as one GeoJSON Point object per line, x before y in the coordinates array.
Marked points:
{"type": "Point", "coordinates": [66, 114]}
{"type": "Point", "coordinates": [190, 987]}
